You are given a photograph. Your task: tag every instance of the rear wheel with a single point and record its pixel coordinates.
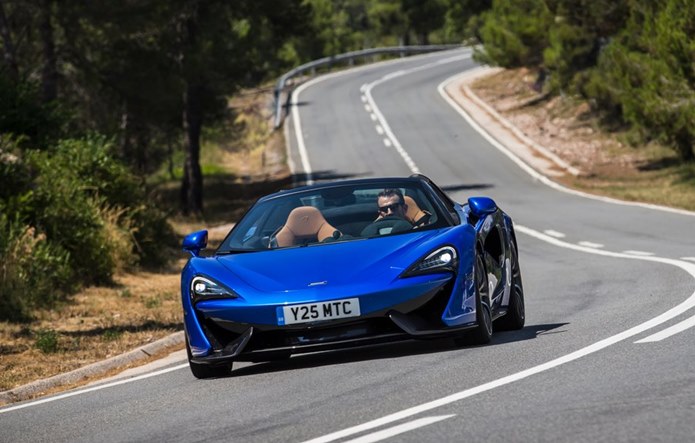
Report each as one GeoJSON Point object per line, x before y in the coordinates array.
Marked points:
{"type": "Point", "coordinates": [516, 312]}
{"type": "Point", "coordinates": [206, 371]}
{"type": "Point", "coordinates": [483, 332]}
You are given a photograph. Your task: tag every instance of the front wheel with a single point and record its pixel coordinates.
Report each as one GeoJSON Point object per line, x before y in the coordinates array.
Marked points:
{"type": "Point", "coordinates": [482, 334]}
{"type": "Point", "coordinates": [516, 312]}
{"type": "Point", "coordinates": [206, 371]}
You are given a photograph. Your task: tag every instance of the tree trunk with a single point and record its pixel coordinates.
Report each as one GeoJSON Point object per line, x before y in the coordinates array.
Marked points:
{"type": "Point", "coordinates": [9, 54]}
{"type": "Point", "coordinates": [192, 183]}
{"type": "Point", "coordinates": [49, 73]}
{"type": "Point", "coordinates": [192, 186]}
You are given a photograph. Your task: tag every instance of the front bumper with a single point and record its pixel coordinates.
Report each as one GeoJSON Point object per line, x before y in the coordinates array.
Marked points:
{"type": "Point", "coordinates": [419, 316]}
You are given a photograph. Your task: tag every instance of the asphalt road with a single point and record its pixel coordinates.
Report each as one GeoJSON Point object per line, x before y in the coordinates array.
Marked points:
{"type": "Point", "coordinates": [601, 279]}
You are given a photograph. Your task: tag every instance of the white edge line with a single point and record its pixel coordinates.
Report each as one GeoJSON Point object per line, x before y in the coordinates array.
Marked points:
{"type": "Point", "coordinates": [92, 389]}
{"type": "Point", "coordinates": [689, 303]}
{"type": "Point", "coordinates": [400, 429]}
{"type": "Point", "coordinates": [301, 147]}
{"type": "Point", "coordinates": [532, 172]}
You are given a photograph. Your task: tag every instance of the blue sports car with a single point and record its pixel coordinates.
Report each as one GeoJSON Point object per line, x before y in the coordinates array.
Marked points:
{"type": "Point", "coordinates": [350, 263]}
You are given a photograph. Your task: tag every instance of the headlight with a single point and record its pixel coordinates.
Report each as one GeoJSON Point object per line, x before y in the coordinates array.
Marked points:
{"type": "Point", "coordinates": [203, 289]}
{"type": "Point", "coordinates": [441, 260]}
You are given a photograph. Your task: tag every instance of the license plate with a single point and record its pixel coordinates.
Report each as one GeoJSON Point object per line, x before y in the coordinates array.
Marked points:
{"type": "Point", "coordinates": [310, 312]}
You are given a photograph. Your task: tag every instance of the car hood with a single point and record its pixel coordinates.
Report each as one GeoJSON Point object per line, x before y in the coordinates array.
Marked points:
{"type": "Point", "coordinates": [351, 263]}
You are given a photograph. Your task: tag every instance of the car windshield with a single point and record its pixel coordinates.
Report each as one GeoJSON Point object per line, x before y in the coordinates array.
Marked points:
{"type": "Point", "coordinates": [334, 214]}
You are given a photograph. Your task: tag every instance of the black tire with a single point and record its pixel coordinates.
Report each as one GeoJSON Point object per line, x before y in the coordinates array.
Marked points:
{"type": "Point", "coordinates": [515, 318]}
{"type": "Point", "coordinates": [207, 371]}
{"type": "Point", "coordinates": [482, 334]}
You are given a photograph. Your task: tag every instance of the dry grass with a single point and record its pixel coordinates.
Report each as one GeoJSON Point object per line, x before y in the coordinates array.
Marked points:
{"type": "Point", "coordinates": [567, 127]}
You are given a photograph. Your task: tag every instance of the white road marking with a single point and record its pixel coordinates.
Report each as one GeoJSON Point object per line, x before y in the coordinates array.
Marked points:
{"type": "Point", "coordinates": [92, 389]}
{"type": "Point", "coordinates": [684, 306]}
{"type": "Point", "coordinates": [301, 147]}
{"type": "Point", "coordinates": [642, 253]}
{"type": "Point", "coordinates": [688, 258]}
{"type": "Point", "coordinates": [373, 117]}
{"type": "Point", "coordinates": [379, 130]}
{"type": "Point", "coordinates": [387, 142]}
{"type": "Point", "coordinates": [689, 303]}
{"type": "Point", "coordinates": [588, 244]}
{"type": "Point", "coordinates": [382, 121]}
{"type": "Point", "coordinates": [367, 108]}
{"type": "Point", "coordinates": [555, 234]}
{"type": "Point", "coordinates": [673, 330]}
{"type": "Point", "coordinates": [400, 429]}
{"type": "Point", "coordinates": [532, 172]}
{"type": "Point", "coordinates": [364, 99]}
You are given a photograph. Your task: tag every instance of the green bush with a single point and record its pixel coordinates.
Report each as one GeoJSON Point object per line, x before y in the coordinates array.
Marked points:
{"type": "Point", "coordinates": [47, 341]}
{"type": "Point", "coordinates": [33, 272]}
{"type": "Point", "coordinates": [71, 215]}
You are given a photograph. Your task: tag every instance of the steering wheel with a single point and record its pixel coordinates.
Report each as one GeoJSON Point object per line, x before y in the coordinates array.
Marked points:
{"type": "Point", "coordinates": [387, 225]}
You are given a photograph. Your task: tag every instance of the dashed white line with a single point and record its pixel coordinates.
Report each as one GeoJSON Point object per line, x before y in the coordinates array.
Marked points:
{"type": "Point", "coordinates": [387, 143]}
{"type": "Point", "coordinates": [364, 99]}
{"type": "Point", "coordinates": [400, 429]}
{"type": "Point", "coordinates": [555, 234]}
{"type": "Point", "coordinates": [373, 116]}
{"type": "Point", "coordinates": [588, 244]}
{"type": "Point", "coordinates": [641, 253]}
{"type": "Point", "coordinates": [379, 129]}
{"type": "Point", "coordinates": [368, 108]}
{"type": "Point", "coordinates": [673, 330]}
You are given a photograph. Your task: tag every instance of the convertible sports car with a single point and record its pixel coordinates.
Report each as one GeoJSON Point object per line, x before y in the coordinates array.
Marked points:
{"type": "Point", "coordinates": [331, 265]}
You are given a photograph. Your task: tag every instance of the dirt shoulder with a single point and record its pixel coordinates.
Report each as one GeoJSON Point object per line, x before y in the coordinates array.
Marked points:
{"type": "Point", "coordinates": [601, 160]}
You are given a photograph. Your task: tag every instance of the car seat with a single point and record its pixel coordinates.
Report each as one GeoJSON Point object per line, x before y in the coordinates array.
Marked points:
{"type": "Point", "coordinates": [305, 224]}
{"type": "Point", "coordinates": [415, 215]}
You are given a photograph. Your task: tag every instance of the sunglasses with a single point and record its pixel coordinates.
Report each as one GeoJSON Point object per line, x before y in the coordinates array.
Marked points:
{"type": "Point", "coordinates": [392, 207]}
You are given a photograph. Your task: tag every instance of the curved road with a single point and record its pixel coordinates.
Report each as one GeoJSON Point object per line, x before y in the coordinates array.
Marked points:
{"type": "Point", "coordinates": [607, 353]}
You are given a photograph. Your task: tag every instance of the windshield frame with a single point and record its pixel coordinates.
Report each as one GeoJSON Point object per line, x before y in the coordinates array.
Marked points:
{"type": "Point", "coordinates": [337, 202]}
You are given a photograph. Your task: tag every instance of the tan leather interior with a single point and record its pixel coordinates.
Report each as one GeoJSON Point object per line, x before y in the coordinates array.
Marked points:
{"type": "Point", "coordinates": [304, 223]}
{"type": "Point", "coordinates": [414, 213]}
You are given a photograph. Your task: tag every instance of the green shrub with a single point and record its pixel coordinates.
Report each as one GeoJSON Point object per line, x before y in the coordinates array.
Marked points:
{"type": "Point", "coordinates": [47, 341]}
{"type": "Point", "coordinates": [33, 272]}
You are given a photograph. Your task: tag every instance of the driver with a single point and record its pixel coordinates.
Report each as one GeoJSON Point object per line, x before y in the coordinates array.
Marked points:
{"type": "Point", "coordinates": [391, 216]}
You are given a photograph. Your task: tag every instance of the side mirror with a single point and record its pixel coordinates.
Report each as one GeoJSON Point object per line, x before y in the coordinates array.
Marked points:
{"type": "Point", "coordinates": [195, 242]}
{"type": "Point", "coordinates": [482, 206]}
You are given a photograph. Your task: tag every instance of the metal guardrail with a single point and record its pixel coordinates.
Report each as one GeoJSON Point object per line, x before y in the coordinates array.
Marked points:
{"type": "Point", "coordinates": [350, 57]}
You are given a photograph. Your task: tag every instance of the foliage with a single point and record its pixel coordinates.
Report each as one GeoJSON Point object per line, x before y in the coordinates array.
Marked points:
{"type": "Point", "coordinates": [647, 77]}
{"type": "Point", "coordinates": [515, 33]}
{"type": "Point", "coordinates": [22, 115]}
{"type": "Point", "coordinates": [579, 32]}
{"type": "Point", "coordinates": [632, 58]}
